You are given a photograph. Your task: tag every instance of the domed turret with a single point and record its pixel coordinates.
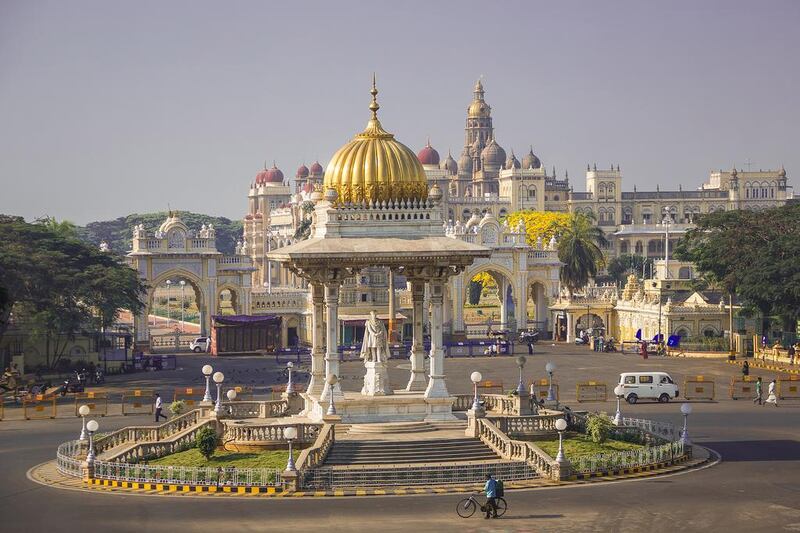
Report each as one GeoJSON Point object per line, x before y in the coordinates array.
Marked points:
{"type": "Point", "coordinates": [782, 172]}
{"type": "Point", "coordinates": [465, 163]}
{"type": "Point", "coordinates": [450, 164]}
{"type": "Point", "coordinates": [302, 172]}
{"type": "Point", "coordinates": [316, 170]}
{"type": "Point", "coordinates": [531, 161]}
{"type": "Point", "coordinates": [374, 167]}
{"type": "Point", "coordinates": [261, 177]}
{"type": "Point", "coordinates": [512, 161]}
{"type": "Point", "coordinates": [273, 175]}
{"type": "Point", "coordinates": [493, 156]}
{"type": "Point", "coordinates": [428, 155]}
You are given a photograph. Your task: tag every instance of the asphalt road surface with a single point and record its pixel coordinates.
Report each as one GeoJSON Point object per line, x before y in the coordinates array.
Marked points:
{"type": "Point", "coordinates": [756, 487]}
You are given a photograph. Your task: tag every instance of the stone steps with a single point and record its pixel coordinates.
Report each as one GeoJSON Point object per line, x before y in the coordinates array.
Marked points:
{"type": "Point", "coordinates": [408, 452]}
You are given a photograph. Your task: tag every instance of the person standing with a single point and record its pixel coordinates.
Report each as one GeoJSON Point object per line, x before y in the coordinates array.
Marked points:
{"type": "Point", "coordinates": [757, 399]}
{"type": "Point", "coordinates": [791, 351]}
{"type": "Point", "coordinates": [745, 370]}
{"type": "Point", "coordinates": [159, 408]}
{"type": "Point", "coordinates": [772, 395]}
{"type": "Point", "coordinates": [491, 494]}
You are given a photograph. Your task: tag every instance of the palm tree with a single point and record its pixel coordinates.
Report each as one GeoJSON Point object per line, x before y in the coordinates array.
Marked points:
{"type": "Point", "coordinates": [65, 228]}
{"type": "Point", "coordinates": [579, 251]}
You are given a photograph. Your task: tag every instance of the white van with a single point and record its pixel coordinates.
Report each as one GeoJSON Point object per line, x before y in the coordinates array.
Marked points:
{"type": "Point", "coordinates": [651, 385]}
{"type": "Point", "coordinates": [200, 344]}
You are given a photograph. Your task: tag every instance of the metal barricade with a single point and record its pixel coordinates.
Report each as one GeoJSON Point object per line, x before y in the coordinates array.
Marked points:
{"type": "Point", "coordinates": [742, 388]}
{"type": "Point", "coordinates": [39, 407]}
{"type": "Point", "coordinates": [97, 402]}
{"type": "Point", "coordinates": [698, 388]}
{"type": "Point", "coordinates": [490, 387]}
{"type": "Point", "coordinates": [789, 387]}
{"type": "Point", "coordinates": [2, 407]}
{"type": "Point", "coordinates": [137, 402]}
{"type": "Point", "coordinates": [591, 391]}
{"type": "Point", "coordinates": [191, 396]}
{"type": "Point", "coordinates": [541, 388]}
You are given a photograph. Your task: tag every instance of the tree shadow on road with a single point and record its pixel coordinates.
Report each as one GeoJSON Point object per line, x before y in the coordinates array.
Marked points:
{"type": "Point", "coordinates": [530, 516]}
{"type": "Point", "coordinates": [756, 450]}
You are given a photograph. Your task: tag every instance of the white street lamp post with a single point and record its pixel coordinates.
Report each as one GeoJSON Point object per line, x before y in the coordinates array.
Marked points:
{"type": "Point", "coordinates": [521, 385]}
{"type": "Point", "coordinates": [332, 381]}
{"type": "Point", "coordinates": [207, 371]}
{"type": "Point", "coordinates": [231, 394]}
{"type": "Point", "coordinates": [183, 284]}
{"type": "Point", "coordinates": [686, 409]}
{"type": "Point", "coordinates": [561, 425]}
{"type": "Point", "coordinates": [476, 378]}
{"type": "Point", "coordinates": [290, 433]}
{"type": "Point", "coordinates": [219, 377]}
{"type": "Point", "coordinates": [289, 384]}
{"type": "Point", "coordinates": [550, 368]}
{"type": "Point", "coordinates": [619, 391]}
{"type": "Point", "coordinates": [169, 315]}
{"type": "Point", "coordinates": [83, 410]}
{"type": "Point", "coordinates": [91, 427]}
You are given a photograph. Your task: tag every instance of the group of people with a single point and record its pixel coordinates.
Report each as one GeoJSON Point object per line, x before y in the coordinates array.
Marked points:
{"type": "Point", "coordinates": [791, 351]}
{"type": "Point", "coordinates": [772, 395]}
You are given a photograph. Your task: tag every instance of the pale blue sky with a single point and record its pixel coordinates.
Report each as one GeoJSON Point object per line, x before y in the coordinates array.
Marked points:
{"type": "Point", "coordinates": [110, 107]}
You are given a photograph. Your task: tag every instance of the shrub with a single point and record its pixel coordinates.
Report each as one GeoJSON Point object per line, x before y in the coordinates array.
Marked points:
{"type": "Point", "coordinates": [177, 407]}
{"type": "Point", "coordinates": [598, 427]}
{"type": "Point", "coordinates": [207, 442]}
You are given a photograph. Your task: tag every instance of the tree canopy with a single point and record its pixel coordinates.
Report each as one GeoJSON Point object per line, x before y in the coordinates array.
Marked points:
{"type": "Point", "coordinates": [619, 267]}
{"type": "Point", "coordinates": [542, 224]}
{"type": "Point", "coordinates": [755, 255]}
{"type": "Point", "coordinates": [57, 283]}
{"type": "Point", "coordinates": [579, 250]}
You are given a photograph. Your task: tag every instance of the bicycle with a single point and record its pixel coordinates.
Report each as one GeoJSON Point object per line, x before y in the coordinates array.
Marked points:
{"type": "Point", "coordinates": [467, 506]}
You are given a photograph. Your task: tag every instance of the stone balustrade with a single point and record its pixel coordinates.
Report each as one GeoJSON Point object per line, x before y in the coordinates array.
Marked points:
{"type": "Point", "coordinates": [133, 434]}
{"type": "Point", "coordinates": [314, 456]}
{"type": "Point", "coordinates": [150, 450]}
{"type": "Point", "coordinates": [527, 425]}
{"type": "Point", "coordinates": [266, 434]}
{"type": "Point", "coordinates": [510, 449]}
{"type": "Point", "coordinates": [286, 301]}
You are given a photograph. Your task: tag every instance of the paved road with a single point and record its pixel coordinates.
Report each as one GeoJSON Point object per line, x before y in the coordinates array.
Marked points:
{"type": "Point", "coordinates": [755, 488]}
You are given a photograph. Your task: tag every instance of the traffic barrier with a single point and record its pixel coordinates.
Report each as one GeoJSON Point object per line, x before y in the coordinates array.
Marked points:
{"type": "Point", "coordinates": [742, 388]}
{"type": "Point", "coordinates": [541, 388]}
{"type": "Point", "coordinates": [789, 388]}
{"type": "Point", "coordinates": [39, 407]}
{"type": "Point", "coordinates": [698, 388]}
{"type": "Point", "coordinates": [191, 396]}
{"type": "Point", "coordinates": [488, 385]}
{"type": "Point", "coordinates": [2, 407]}
{"type": "Point", "coordinates": [137, 402]}
{"type": "Point", "coordinates": [97, 402]}
{"type": "Point", "coordinates": [591, 391]}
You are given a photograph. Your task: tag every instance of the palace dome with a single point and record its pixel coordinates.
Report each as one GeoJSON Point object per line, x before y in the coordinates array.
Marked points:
{"type": "Point", "coordinates": [493, 155]}
{"type": "Point", "coordinates": [479, 108]}
{"type": "Point", "coordinates": [428, 155]}
{"type": "Point", "coordinates": [512, 161]}
{"type": "Point", "coordinates": [450, 165]}
{"type": "Point", "coordinates": [375, 167]}
{"type": "Point", "coordinates": [302, 172]}
{"type": "Point", "coordinates": [316, 169]}
{"type": "Point", "coordinates": [273, 175]}
{"type": "Point", "coordinates": [531, 161]}
{"type": "Point", "coordinates": [465, 162]}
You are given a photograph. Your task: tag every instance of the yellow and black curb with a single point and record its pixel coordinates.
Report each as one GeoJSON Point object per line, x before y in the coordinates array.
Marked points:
{"type": "Point", "coordinates": [667, 467]}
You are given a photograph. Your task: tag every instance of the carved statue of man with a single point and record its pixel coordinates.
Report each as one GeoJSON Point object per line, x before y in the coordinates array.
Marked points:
{"type": "Point", "coordinates": [375, 347]}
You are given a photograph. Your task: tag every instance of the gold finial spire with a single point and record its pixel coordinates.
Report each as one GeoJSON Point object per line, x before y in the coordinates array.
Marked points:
{"type": "Point", "coordinates": [374, 106]}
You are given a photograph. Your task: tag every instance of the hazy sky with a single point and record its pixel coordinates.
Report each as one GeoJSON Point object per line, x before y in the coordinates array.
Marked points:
{"type": "Point", "coordinates": [110, 107]}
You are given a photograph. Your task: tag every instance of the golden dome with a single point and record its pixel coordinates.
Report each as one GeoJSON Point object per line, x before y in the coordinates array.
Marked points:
{"type": "Point", "coordinates": [375, 167]}
{"type": "Point", "coordinates": [478, 108]}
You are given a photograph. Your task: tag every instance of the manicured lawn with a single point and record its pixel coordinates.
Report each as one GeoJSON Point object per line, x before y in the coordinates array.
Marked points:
{"type": "Point", "coordinates": [578, 444]}
{"type": "Point", "coordinates": [192, 457]}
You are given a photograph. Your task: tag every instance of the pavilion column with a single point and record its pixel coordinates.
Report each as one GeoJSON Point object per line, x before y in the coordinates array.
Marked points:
{"type": "Point", "coordinates": [141, 326]}
{"type": "Point", "coordinates": [436, 385]}
{"type": "Point", "coordinates": [570, 332]}
{"type": "Point", "coordinates": [332, 340]}
{"type": "Point", "coordinates": [504, 304]}
{"type": "Point", "coordinates": [416, 381]}
{"type": "Point", "coordinates": [457, 296]}
{"type": "Point", "coordinates": [315, 385]}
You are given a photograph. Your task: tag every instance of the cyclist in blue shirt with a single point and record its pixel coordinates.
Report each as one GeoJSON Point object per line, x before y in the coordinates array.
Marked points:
{"type": "Point", "coordinates": [491, 493]}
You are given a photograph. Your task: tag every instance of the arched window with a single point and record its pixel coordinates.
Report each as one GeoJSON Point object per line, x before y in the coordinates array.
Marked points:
{"type": "Point", "coordinates": [532, 193]}
{"type": "Point", "coordinates": [555, 198]}
{"type": "Point", "coordinates": [627, 215]}
{"type": "Point", "coordinates": [623, 247]}
{"type": "Point", "coordinates": [639, 248]}
{"type": "Point", "coordinates": [685, 273]}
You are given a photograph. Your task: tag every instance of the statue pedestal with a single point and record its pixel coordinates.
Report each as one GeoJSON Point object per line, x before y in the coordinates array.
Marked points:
{"type": "Point", "coordinates": [376, 380]}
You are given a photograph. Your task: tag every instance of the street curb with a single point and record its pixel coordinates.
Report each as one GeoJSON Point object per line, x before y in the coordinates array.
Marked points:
{"type": "Point", "coordinates": [762, 366]}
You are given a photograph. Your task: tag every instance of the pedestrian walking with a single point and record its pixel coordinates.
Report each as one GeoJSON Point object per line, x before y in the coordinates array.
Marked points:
{"type": "Point", "coordinates": [745, 370]}
{"type": "Point", "coordinates": [772, 395]}
{"type": "Point", "coordinates": [491, 497]}
{"type": "Point", "coordinates": [159, 407]}
{"type": "Point", "coordinates": [791, 351]}
{"type": "Point", "coordinates": [757, 399]}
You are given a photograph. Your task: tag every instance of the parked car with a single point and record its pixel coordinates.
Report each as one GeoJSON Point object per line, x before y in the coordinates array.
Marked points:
{"type": "Point", "coordinates": [649, 385]}
{"type": "Point", "coordinates": [200, 344]}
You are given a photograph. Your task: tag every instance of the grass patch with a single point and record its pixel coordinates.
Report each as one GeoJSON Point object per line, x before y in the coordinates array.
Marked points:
{"type": "Point", "coordinates": [223, 458]}
{"type": "Point", "coordinates": [579, 445]}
